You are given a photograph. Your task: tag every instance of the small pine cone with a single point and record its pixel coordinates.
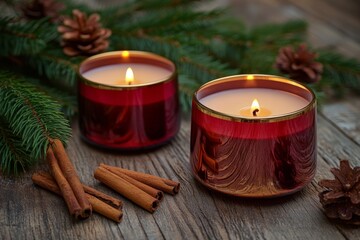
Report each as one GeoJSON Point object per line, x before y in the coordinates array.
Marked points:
{"type": "Point", "coordinates": [37, 9]}
{"type": "Point", "coordinates": [341, 199]}
{"type": "Point", "coordinates": [341, 208]}
{"type": "Point", "coordinates": [300, 65]}
{"type": "Point", "coordinates": [82, 35]}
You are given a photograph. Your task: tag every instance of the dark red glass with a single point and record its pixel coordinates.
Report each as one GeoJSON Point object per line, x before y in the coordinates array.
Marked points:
{"type": "Point", "coordinates": [131, 117]}
{"type": "Point", "coordinates": [248, 157]}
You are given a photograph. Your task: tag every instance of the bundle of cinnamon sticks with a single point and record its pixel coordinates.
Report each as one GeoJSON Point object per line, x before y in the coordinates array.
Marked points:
{"type": "Point", "coordinates": [64, 181]}
{"type": "Point", "coordinates": [143, 189]}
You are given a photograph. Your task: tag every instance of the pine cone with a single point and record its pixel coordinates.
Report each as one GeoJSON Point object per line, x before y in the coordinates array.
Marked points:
{"type": "Point", "coordinates": [38, 9]}
{"type": "Point", "coordinates": [300, 65]}
{"type": "Point", "coordinates": [342, 198]}
{"type": "Point", "coordinates": [341, 208]}
{"type": "Point", "coordinates": [82, 35]}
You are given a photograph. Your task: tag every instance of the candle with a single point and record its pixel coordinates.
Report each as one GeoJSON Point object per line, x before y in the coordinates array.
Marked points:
{"type": "Point", "coordinates": [128, 100]}
{"type": "Point", "coordinates": [249, 148]}
{"type": "Point", "coordinates": [237, 102]}
{"type": "Point", "coordinates": [115, 74]}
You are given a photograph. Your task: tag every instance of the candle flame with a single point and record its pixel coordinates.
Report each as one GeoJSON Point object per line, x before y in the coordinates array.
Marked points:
{"type": "Point", "coordinates": [129, 76]}
{"type": "Point", "coordinates": [255, 106]}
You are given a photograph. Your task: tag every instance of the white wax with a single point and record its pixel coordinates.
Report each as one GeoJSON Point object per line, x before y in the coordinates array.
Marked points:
{"type": "Point", "coordinates": [114, 74]}
{"type": "Point", "coordinates": [276, 101]}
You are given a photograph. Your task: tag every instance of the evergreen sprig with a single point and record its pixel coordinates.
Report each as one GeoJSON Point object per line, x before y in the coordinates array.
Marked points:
{"type": "Point", "coordinates": [20, 38]}
{"type": "Point", "coordinates": [340, 73]}
{"type": "Point", "coordinates": [15, 157]}
{"type": "Point", "coordinates": [28, 120]}
{"type": "Point", "coordinates": [59, 70]}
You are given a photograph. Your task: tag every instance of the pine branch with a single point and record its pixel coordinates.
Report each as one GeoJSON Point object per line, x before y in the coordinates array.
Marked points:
{"type": "Point", "coordinates": [255, 50]}
{"type": "Point", "coordinates": [128, 9]}
{"type": "Point", "coordinates": [291, 32]}
{"type": "Point", "coordinates": [31, 116]}
{"type": "Point", "coordinates": [59, 69]}
{"type": "Point", "coordinates": [169, 22]}
{"type": "Point", "coordinates": [340, 72]}
{"type": "Point", "coordinates": [264, 43]}
{"type": "Point", "coordinates": [68, 102]}
{"type": "Point", "coordinates": [71, 5]}
{"type": "Point", "coordinates": [14, 157]}
{"type": "Point", "coordinates": [164, 4]}
{"type": "Point", "coordinates": [19, 38]}
{"type": "Point", "coordinates": [187, 88]}
{"type": "Point", "coordinates": [203, 67]}
{"type": "Point", "coordinates": [231, 54]}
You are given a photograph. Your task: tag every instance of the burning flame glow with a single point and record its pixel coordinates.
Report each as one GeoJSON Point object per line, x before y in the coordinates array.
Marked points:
{"type": "Point", "coordinates": [255, 105]}
{"type": "Point", "coordinates": [129, 76]}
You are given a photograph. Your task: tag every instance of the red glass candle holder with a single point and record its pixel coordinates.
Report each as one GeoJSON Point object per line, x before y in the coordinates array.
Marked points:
{"type": "Point", "coordinates": [128, 117]}
{"type": "Point", "coordinates": [253, 157]}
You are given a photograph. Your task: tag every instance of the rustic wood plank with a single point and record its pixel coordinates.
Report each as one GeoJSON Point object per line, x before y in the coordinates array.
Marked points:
{"type": "Point", "coordinates": [331, 13]}
{"type": "Point", "coordinates": [321, 34]}
{"type": "Point", "coordinates": [345, 115]}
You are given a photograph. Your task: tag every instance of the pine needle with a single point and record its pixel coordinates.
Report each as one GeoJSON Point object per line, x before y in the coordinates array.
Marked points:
{"type": "Point", "coordinates": [29, 119]}
{"type": "Point", "coordinates": [18, 38]}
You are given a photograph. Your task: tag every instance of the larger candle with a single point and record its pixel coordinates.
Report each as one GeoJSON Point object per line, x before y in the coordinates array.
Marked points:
{"type": "Point", "coordinates": [128, 100]}
{"type": "Point", "coordinates": [231, 102]}
{"type": "Point", "coordinates": [260, 155]}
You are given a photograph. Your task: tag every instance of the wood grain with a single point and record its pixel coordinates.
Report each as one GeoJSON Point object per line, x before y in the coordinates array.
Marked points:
{"type": "Point", "coordinates": [345, 115]}
{"type": "Point", "coordinates": [321, 33]}
{"type": "Point", "coordinates": [194, 213]}
{"type": "Point", "coordinates": [28, 212]}
{"type": "Point", "coordinates": [333, 14]}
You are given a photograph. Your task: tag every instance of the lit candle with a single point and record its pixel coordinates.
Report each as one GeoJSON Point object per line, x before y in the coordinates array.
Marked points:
{"type": "Point", "coordinates": [114, 74]}
{"type": "Point", "coordinates": [128, 100]}
{"type": "Point", "coordinates": [253, 135]}
{"type": "Point", "coordinates": [240, 102]}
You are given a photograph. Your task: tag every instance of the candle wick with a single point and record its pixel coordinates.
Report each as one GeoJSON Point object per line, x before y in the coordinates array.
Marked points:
{"type": "Point", "coordinates": [129, 83]}
{"type": "Point", "coordinates": [254, 112]}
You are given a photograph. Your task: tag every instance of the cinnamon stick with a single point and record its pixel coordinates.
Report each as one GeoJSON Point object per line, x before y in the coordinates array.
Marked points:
{"type": "Point", "coordinates": [116, 203]}
{"type": "Point", "coordinates": [46, 181]}
{"type": "Point", "coordinates": [65, 188]}
{"type": "Point", "coordinates": [162, 184]}
{"type": "Point", "coordinates": [146, 188]}
{"type": "Point", "coordinates": [105, 209]}
{"type": "Point", "coordinates": [71, 176]}
{"type": "Point", "coordinates": [126, 189]}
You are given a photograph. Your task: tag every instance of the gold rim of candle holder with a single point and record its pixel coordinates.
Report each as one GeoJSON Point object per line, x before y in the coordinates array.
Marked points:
{"type": "Point", "coordinates": [137, 54]}
{"type": "Point", "coordinates": [253, 77]}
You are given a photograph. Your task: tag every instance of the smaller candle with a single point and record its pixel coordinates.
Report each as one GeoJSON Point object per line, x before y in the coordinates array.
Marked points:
{"type": "Point", "coordinates": [114, 74]}
{"type": "Point", "coordinates": [128, 100]}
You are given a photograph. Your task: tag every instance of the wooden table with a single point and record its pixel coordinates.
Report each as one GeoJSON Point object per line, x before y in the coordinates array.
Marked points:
{"type": "Point", "coordinates": [27, 212]}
